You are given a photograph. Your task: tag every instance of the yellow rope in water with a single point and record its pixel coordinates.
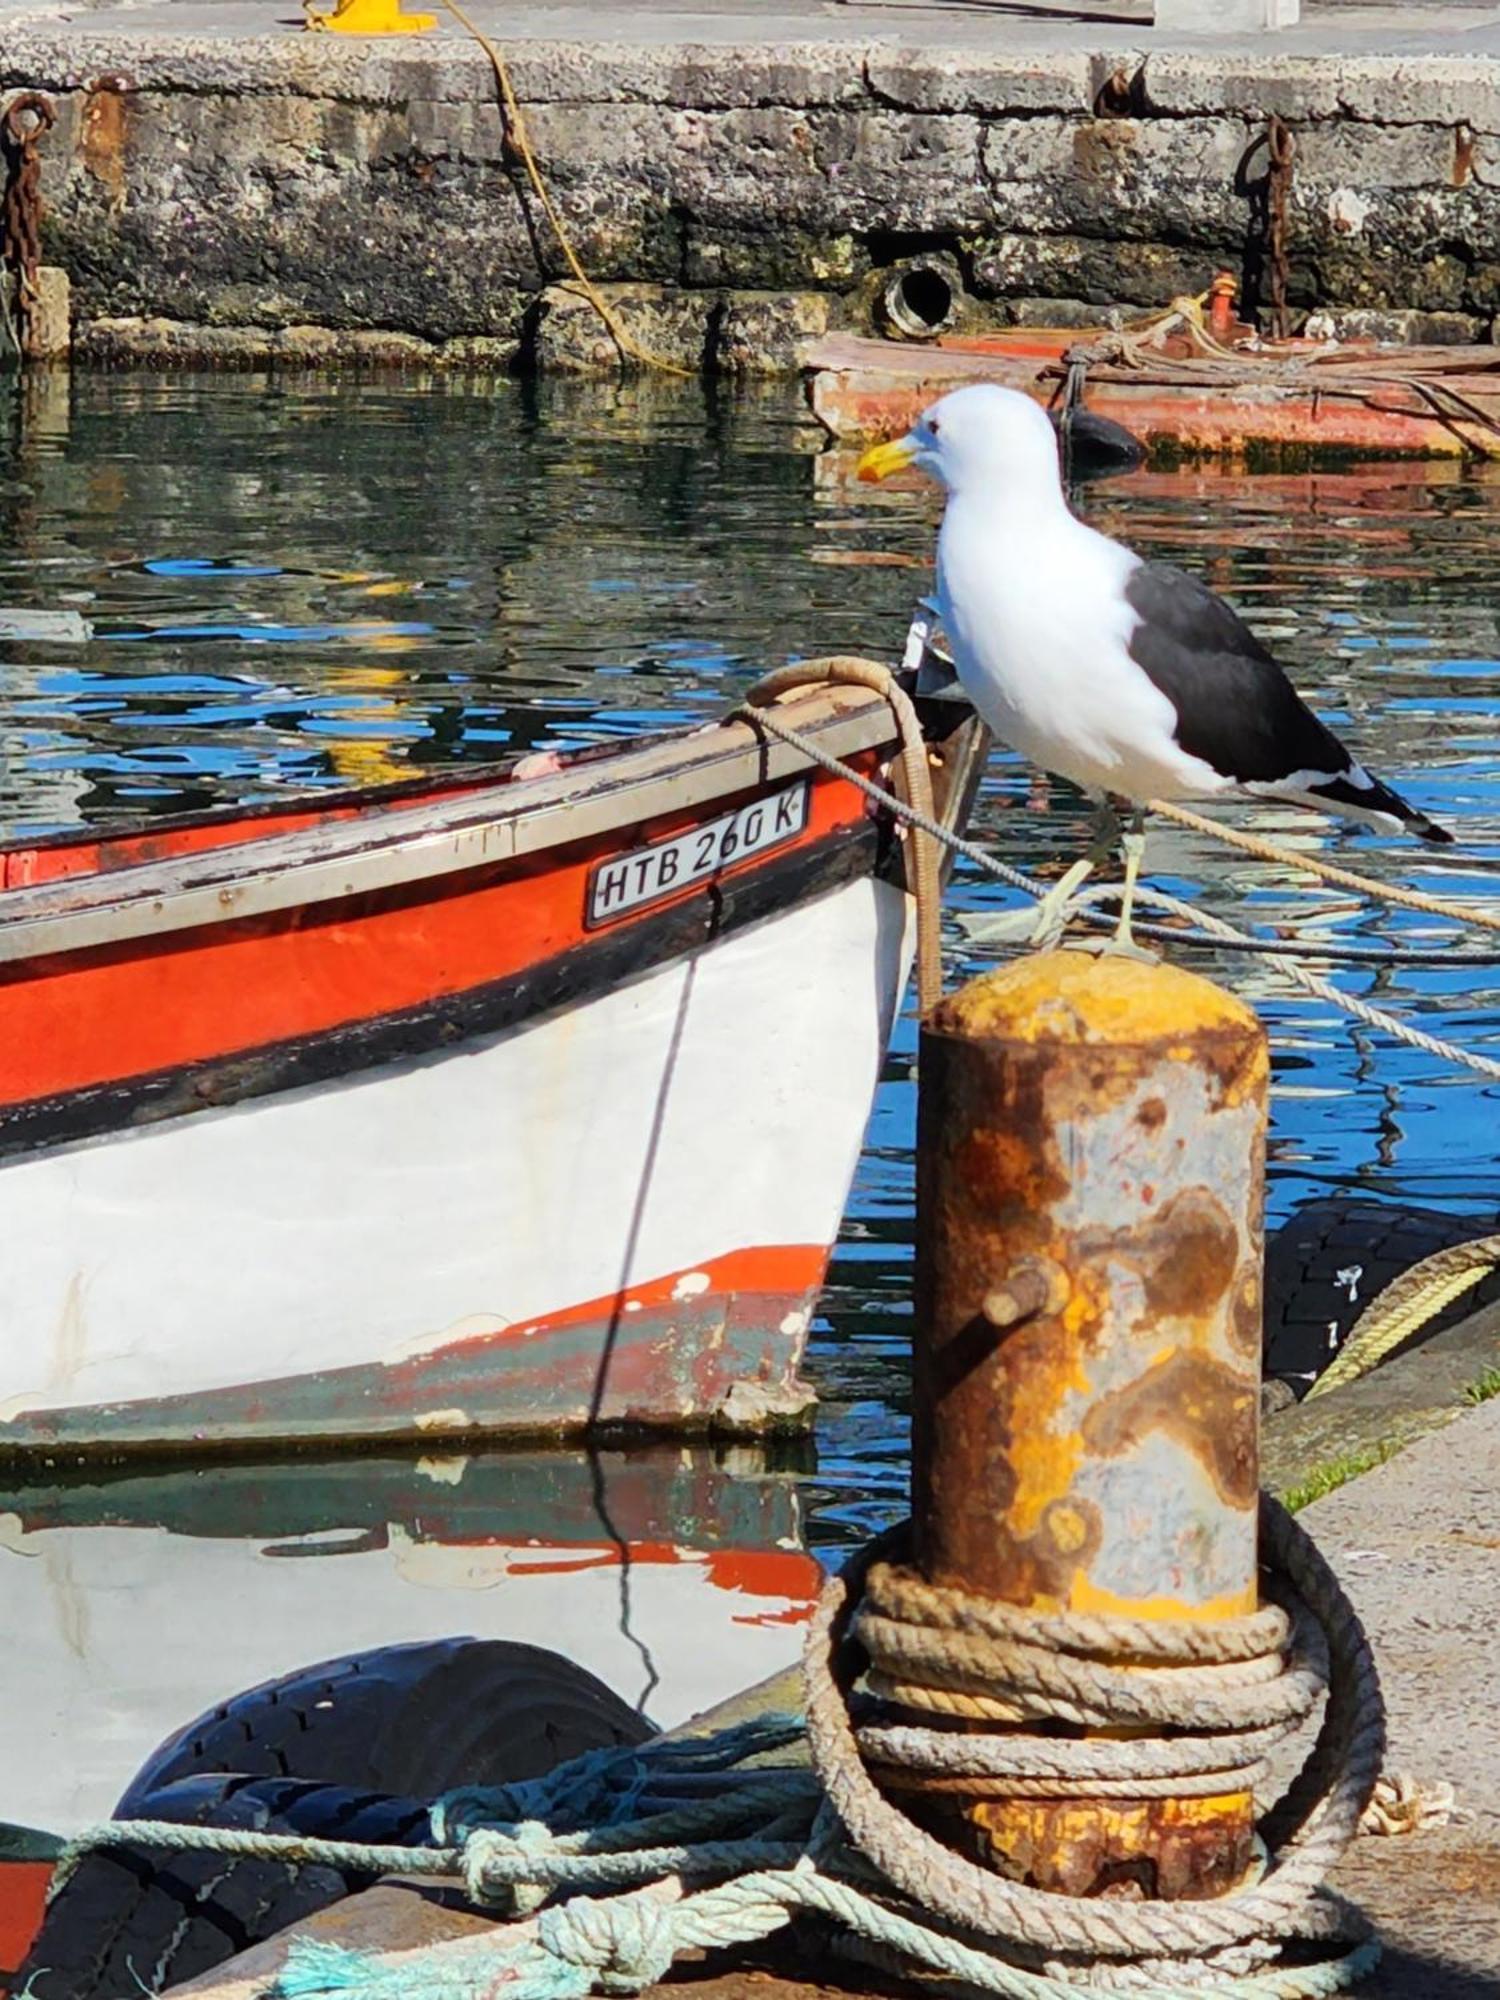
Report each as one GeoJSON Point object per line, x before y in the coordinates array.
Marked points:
{"type": "Point", "coordinates": [1270, 850]}
{"type": "Point", "coordinates": [1405, 1306]}
{"type": "Point", "coordinates": [516, 129]}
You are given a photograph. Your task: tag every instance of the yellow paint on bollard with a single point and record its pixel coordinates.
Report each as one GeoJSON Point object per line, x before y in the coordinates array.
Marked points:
{"type": "Point", "coordinates": [1085, 1435]}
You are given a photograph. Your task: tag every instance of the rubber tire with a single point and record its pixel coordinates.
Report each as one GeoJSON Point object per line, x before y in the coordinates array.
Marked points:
{"type": "Point", "coordinates": [413, 1720]}
{"type": "Point", "coordinates": [132, 1919]}
{"type": "Point", "coordinates": [1308, 1309]}
{"type": "Point", "coordinates": [352, 1749]}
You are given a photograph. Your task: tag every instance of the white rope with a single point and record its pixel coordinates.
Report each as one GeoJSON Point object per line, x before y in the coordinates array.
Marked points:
{"type": "Point", "coordinates": [1350, 1003]}
{"type": "Point", "coordinates": [1209, 930]}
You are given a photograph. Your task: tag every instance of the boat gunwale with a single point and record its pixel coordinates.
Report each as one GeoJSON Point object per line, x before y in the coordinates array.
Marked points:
{"type": "Point", "coordinates": [433, 785]}
{"type": "Point", "coordinates": [345, 858]}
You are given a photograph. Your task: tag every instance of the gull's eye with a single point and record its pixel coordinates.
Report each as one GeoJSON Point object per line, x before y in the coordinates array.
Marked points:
{"type": "Point", "coordinates": [933, 426]}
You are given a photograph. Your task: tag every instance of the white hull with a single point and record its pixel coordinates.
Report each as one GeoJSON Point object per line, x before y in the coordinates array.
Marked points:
{"type": "Point", "coordinates": [712, 1106]}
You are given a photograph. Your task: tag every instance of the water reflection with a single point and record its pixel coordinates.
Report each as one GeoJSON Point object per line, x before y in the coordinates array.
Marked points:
{"type": "Point", "coordinates": [145, 1598]}
{"type": "Point", "coordinates": [298, 583]}
{"type": "Point", "coordinates": [447, 571]}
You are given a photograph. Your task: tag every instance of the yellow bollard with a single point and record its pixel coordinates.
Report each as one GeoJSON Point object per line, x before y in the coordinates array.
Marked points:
{"type": "Point", "coordinates": [1086, 1399]}
{"type": "Point", "coordinates": [369, 17]}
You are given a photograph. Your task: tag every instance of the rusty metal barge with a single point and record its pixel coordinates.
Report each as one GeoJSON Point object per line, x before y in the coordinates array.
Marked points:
{"type": "Point", "coordinates": [1179, 386]}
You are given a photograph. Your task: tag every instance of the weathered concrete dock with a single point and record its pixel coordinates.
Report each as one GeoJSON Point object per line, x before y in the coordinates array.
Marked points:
{"type": "Point", "coordinates": [222, 184]}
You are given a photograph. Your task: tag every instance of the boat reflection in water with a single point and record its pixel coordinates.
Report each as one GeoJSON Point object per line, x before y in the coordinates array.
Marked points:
{"type": "Point", "coordinates": [677, 1576]}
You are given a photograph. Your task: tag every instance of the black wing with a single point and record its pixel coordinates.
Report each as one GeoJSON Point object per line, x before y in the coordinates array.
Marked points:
{"type": "Point", "coordinates": [1236, 709]}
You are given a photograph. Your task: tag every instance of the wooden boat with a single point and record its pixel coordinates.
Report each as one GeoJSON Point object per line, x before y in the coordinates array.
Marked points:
{"type": "Point", "coordinates": [518, 1100]}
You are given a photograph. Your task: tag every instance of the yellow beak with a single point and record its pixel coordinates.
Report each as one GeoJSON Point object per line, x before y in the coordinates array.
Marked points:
{"type": "Point", "coordinates": [881, 460]}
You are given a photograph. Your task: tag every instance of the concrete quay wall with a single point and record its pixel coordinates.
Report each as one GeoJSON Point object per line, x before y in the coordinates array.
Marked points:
{"type": "Point", "coordinates": [242, 196]}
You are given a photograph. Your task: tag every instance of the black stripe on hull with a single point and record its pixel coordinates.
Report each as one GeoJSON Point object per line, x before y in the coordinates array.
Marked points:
{"type": "Point", "coordinates": [598, 965]}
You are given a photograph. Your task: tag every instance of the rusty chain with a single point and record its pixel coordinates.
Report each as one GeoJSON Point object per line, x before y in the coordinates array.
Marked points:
{"type": "Point", "coordinates": [1281, 152]}
{"type": "Point", "coordinates": [28, 115]}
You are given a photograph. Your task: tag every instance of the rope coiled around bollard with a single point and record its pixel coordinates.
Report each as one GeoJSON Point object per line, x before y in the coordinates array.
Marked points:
{"type": "Point", "coordinates": [1307, 1829]}
{"type": "Point", "coordinates": [1245, 1693]}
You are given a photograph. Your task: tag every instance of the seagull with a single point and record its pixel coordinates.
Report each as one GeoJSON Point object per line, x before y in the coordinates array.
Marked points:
{"type": "Point", "coordinates": [1130, 678]}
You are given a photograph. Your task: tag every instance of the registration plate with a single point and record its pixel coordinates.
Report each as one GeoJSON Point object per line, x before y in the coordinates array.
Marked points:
{"type": "Point", "coordinates": [626, 882]}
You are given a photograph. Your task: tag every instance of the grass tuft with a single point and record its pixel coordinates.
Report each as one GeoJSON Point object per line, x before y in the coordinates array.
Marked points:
{"type": "Point", "coordinates": [1338, 1472]}
{"type": "Point", "coordinates": [1487, 1386]}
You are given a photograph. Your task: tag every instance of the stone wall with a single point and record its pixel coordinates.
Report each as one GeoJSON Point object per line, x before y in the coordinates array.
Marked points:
{"type": "Point", "coordinates": [261, 196]}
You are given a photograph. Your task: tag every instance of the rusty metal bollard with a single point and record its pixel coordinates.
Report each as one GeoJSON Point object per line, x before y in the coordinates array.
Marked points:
{"type": "Point", "coordinates": [1086, 1407]}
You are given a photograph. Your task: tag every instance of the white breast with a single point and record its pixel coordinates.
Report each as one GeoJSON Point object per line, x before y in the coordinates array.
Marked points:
{"type": "Point", "coordinates": [1035, 610]}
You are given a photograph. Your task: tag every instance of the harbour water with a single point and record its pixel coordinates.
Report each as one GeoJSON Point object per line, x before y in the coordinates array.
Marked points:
{"type": "Point", "coordinates": [290, 584]}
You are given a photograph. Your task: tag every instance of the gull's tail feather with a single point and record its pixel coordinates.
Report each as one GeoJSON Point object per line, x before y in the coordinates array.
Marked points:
{"type": "Point", "coordinates": [1360, 793]}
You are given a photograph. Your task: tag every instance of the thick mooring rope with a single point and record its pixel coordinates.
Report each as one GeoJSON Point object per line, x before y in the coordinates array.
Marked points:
{"type": "Point", "coordinates": [1322, 989]}
{"type": "Point", "coordinates": [1327, 871]}
{"type": "Point", "coordinates": [746, 1847]}
{"type": "Point", "coordinates": [1310, 1826]}
{"type": "Point", "coordinates": [1405, 1307]}
{"type": "Point", "coordinates": [1203, 929]}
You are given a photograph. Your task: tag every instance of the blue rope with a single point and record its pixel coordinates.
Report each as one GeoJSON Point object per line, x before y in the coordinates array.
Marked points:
{"type": "Point", "coordinates": [604, 1788]}
{"type": "Point", "coordinates": [627, 1943]}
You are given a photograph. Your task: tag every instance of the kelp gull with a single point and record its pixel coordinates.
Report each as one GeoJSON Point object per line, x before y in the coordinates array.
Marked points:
{"type": "Point", "coordinates": [1131, 678]}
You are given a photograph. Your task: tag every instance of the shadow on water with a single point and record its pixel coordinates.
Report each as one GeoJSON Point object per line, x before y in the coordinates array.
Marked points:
{"type": "Point", "coordinates": [296, 583]}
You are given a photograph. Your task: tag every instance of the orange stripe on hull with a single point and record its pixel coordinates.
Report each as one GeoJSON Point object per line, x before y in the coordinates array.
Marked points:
{"type": "Point", "coordinates": [96, 1018]}
{"type": "Point", "coordinates": [787, 1574]}
{"type": "Point", "coordinates": [782, 1267]}
{"type": "Point", "coordinates": [23, 1900]}
{"type": "Point", "coordinates": [670, 1349]}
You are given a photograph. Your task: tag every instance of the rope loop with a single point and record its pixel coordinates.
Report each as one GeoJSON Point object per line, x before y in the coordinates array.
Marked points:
{"type": "Point", "coordinates": [927, 831]}
{"type": "Point", "coordinates": [1307, 1829]}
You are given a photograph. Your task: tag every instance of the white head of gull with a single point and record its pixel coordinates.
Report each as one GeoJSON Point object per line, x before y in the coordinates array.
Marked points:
{"type": "Point", "coordinates": [1132, 679]}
